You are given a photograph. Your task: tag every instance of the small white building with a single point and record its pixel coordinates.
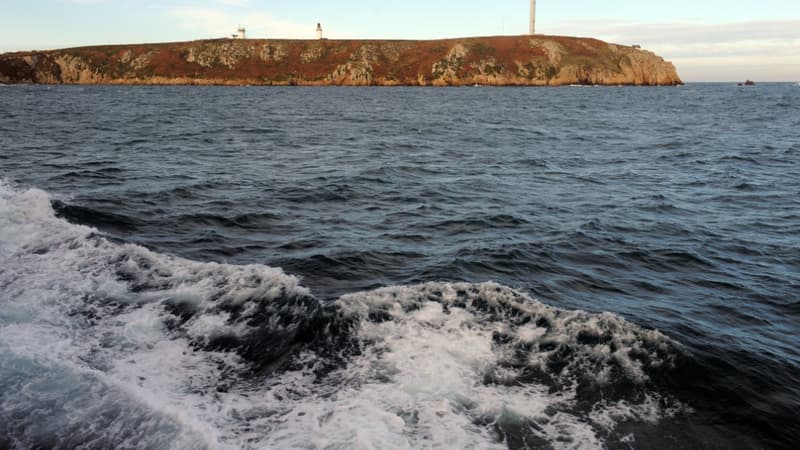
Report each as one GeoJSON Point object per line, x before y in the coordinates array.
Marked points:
{"type": "Point", "coordinates": [241, 33]}
{"type": "Point", "coordinates": [319, 31]}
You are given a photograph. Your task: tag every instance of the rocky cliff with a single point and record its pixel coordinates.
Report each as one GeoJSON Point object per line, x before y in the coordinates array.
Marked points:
{"type": "Point", "coordinates": [500, 61]}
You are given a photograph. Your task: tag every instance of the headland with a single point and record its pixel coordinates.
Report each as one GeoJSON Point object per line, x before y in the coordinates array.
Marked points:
{"type": "Point", "coordinates": [529, 60]}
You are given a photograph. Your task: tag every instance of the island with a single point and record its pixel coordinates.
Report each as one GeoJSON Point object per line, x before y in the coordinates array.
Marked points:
{"type": "Point", "coordinates": [529, 60]}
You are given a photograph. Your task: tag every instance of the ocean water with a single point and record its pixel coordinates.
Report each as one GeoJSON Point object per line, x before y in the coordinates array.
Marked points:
{"type": "Point", "coordinates": [400, 268]}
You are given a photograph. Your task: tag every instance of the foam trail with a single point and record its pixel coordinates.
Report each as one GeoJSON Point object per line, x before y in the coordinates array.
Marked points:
{"type": "Point", "coordinates": [125, 323]}
{"type": "Point", "coordinates": [147, 350]}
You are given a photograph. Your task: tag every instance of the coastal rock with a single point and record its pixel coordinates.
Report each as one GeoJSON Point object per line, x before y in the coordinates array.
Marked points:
{"type": "Point", "coordinates": [496, 61]}
{"type": "Point", "coordinates": [272, 53]}
{"type": "Point", "coordinates": [447, 70]}
{"type": "Point", "coordinates": [213, 54]}
{"type": "Point", "coordinates": [313, 52]}
{"type": "Point", "coordinates": [358, 70]}
{"type": "Point", "coordinates": [136, 61]}
{"type": "Point", "coordinates": [76, 68]}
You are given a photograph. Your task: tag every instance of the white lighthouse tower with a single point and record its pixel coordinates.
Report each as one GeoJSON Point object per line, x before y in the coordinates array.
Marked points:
{"type": "Point", "coordinates": [533, 17]}
{"type": "Point", "coordinates": [241, 33]}
{"type": "Point", "coordinates": [319, 31]}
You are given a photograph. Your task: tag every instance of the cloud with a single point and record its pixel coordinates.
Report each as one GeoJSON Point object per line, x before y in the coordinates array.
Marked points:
{"type": "Point", "coordinates": [212, 22]}
{"type": "Point", "coordinates": [708, 51]}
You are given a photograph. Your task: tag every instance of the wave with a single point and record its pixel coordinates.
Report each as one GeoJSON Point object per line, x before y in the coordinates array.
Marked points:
{"type": "Point", "coordinates": [143, 349]}
{"type": "Point", "coordinates": [96, 218]}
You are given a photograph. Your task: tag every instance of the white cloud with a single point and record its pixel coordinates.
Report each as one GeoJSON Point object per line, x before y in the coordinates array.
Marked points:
{"type": "Point", "coordinates": [708, 51]}
{"type": "Point", "coordinates": [212, 22]}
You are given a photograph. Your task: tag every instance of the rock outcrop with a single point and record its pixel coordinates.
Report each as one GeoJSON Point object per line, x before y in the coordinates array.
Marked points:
{"type": "Point", "coordinates": [496, 61]}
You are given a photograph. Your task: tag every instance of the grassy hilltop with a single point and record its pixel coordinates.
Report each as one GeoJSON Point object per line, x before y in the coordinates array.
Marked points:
{"type": "Point", "coordinates": [500, 60]}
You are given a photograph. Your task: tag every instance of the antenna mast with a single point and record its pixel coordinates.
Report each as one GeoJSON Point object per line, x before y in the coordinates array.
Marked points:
{"type": "Point", "coordinates": [533, 17]}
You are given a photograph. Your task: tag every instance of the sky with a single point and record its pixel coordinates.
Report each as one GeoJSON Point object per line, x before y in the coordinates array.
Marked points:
{"type": "Point", "coordinates": [709, 40]}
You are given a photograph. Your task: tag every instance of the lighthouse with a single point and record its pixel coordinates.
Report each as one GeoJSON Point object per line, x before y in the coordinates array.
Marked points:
{"type": "Point", "coordinates": [319, 31]}
{"type": "Point", "coordinates": [533, 17]}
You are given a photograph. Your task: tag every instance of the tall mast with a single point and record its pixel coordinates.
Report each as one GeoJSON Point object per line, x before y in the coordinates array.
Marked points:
{"type": "Point", "coordinates": [533, 17]}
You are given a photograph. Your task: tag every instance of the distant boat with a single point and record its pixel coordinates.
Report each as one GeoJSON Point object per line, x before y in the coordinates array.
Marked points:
{"type": "Point", "coordinates": [747, 83]}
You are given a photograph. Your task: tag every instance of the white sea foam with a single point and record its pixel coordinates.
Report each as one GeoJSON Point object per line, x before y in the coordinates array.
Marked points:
{"type": "Point", "coordinates": [86, 309]}
{"type": "Point", "coordinates": [441, 344]}
{"type": "Point", "coordinates": [123, 333]}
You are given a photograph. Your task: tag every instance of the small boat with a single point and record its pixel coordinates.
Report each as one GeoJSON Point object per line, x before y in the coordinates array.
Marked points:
{"type": "Point", "coordinates": [747, 83]}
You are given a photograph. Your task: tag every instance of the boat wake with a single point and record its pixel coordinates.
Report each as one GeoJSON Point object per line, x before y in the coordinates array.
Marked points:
{"type": "Point", "coordinates": [106, 344]}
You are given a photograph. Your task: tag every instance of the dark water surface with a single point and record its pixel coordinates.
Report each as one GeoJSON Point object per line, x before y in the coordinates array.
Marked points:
{"type": "Point", "coordinates": [435, 246]}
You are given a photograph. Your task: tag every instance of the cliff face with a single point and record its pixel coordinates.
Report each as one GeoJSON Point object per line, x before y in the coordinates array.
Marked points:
{"type": "Point", "coordinates": [500, 61]}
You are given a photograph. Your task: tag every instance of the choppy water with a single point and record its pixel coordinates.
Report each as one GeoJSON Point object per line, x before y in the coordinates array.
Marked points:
{"type": "Point", "coordinates": [400, 268]}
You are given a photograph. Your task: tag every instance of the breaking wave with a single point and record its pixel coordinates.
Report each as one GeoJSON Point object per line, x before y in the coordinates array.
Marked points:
{"type": "Point", "coordinates": [107, 344]}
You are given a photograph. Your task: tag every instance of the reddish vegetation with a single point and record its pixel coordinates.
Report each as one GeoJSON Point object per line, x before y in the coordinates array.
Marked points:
{"type": "Point", "coordinates": [501, 60]}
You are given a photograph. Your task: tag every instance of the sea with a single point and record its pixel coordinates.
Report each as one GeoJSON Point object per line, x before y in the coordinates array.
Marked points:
{"type": "Point", "coordinates": [400, 268]}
